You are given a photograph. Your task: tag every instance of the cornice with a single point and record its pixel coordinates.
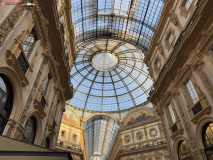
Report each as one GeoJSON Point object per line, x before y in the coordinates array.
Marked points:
{"type": "Point", "coordinates": [72, 125]}
{"type": "Point", "coordinates": [159, 29]}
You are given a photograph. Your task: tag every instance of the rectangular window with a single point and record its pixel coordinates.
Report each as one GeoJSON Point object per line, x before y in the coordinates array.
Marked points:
{"type": "Point", "coordinates": [30, 43]}
{"type": "Point", "coordinates": [61, 144]}
{"type": "Point", "coordinates": [62, 133]}
{"type": "Point", "coordinates": [155, 143]}
{"type": "Point", "coordinates": [158, 64]}
{"type": "Point", "coordinates": [191, 92]}
{"type": "Point", "coordinates": [171, 38]}
{"type": "Point", "coordinates": [188, 4]}
{"type": "Point", "coordinates": [171, 114]}
{"type": "Point", "coordinates": [74, 137]}
{"type": "Point", "coordinates": [46, 83]}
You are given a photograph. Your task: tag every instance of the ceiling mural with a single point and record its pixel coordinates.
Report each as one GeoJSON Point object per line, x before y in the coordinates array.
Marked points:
{"type": "Point", "coordinates": [70, 116]}
{"type": "Point", "coordinates": [139, 116]}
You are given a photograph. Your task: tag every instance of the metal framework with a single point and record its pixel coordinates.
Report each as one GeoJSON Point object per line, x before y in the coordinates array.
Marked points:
{"type": "Point", "coordinates": [100, 133]}
{"type": "Point", "coordinates": [125, 86]}
{"type": "Point", "coordinates": [131, 20]}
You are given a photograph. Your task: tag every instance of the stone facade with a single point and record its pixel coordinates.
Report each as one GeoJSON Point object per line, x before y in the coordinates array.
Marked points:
{"type": "Point", "coordinates": [188, 59]}
{"type": "Point", "coordinates": [28, 74]}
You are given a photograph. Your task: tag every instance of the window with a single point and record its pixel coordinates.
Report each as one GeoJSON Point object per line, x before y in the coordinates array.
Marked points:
{"type": "Point", "coordinates": [191, 92]}
{"type": "Point", "coordinates": [155, 143]}
{"type": "Point", "coordinates": [29, 43]}
{"type": "Point", "coordinates": [171, 114]}
{"type": "Point", "coordinates": [188, 4]}
{"type": "Point", "coordinates": [6, 101]}
{"type": "Point", "coordinates": [61, 144]}
{"type": "Point", "coordinates": [46, 143]}
{"type": "Point", "coordinates": [62, 133]}
{"type": "Point", "coordinates": [30, 130]}
{"type": "Point", "coordinates": [158, 64]}
{"type": "Point", "coordinates": [140, 135]}
{"type": "Point", "coordinates": [127, 138]}
{"type": "Point", "coordinates": [153, 132]}
{"type": "Point", "coordinates": [46, 83]}
{"type": "Point", "coordinates": [73, 147]}
{"type": "Point", "coordinates": [171, 38]}
{"type": "Point", "coordinates": [184, 151]}
{"type": "Point", "coordinates": [74, 137]}
{"type": "Point", "coordinates": [208, 140]}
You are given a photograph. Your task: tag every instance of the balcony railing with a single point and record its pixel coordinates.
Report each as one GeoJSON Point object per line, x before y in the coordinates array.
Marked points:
{"type": "Point", "coordinates": [174, 128]}
{"type": "Point", "coordinates": [69, 147]}
{"type": "Point", "coordinates": [197, 108]}
{"type": "Point", "coordinates": [142, 147]}
{"type": "Point", "coordinates": [182, 35]}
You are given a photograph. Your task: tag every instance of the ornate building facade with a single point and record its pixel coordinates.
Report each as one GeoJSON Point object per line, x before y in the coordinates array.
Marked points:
{"type": "Point", "coordinates": [37, 51]}
{"type": "Point", "coordinates": [180, 62]}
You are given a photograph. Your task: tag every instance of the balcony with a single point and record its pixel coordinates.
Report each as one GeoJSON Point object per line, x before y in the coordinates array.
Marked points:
{"type": "Point", "coordinates": [65, 147]}
{"type": "Point", "coordinates": [176, 129]}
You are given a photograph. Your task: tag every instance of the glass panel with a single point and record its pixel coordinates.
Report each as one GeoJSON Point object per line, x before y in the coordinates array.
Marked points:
{"type": "Point", "coordinates": [158, 64]}
{"type": "Point", "coordinates": [74, 137]}
{"type": "Point", "coordinates": [192, 92]}
{"type": "Point", "coordinates": [171, 114]}
{"type": "Point", "coordinates": [153, 132]}
{"type": "Point", "coordinates": [29, 43]}
{"type": "Point", "coordinates": [184, 150]}
{"type": "Point", "coordinates": [188, 4]}
{"type": "Point", "coordinates": [139, 135]}
{"type": "Point", "coordinates": [6, 101]}
{"type": "Point", "coordinates": [62, 133]}
{"type": "Point", "coordinates": [61, 144]}
{"type": "Point", "coordinates": [29, 134]}
{"type": "Point", "coordinates": [170, 39]}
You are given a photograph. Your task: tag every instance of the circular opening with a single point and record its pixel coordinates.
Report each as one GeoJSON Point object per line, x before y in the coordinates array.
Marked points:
{"type": "Point", "coordinates": [104, 61]}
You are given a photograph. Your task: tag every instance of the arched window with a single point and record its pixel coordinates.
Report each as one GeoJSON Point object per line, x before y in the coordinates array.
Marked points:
{"type": "Point", "coordinates": [47, 143]}
{"type": "Point", "coordinates": [6, 101]}
{"type": "Point", "coordinates": [184, 152]}
{"type": "Point", "coordinates": [30, 133]}
{"type": "Point", "coordinates": [208, 140]}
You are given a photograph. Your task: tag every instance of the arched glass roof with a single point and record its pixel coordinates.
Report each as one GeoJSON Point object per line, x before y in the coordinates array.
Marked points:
{"type": "Point", "coordinates": [130, 20]}
{"type": "Point", "coordinates": [125, 82]}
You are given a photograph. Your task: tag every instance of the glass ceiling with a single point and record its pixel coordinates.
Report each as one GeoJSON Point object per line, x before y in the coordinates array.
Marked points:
{"type": "Point", "coordinates": [100, 133]}
{"type": "Point", "coordinates": [125, 82]}
{"type": "Point", "coordinates": [131, 20]}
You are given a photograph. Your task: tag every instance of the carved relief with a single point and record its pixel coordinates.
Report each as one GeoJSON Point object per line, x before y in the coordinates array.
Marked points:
{"type": "Point", "coordinates": [127, 138]}
{"type": "Point", "coordinates": [206, 34]}
{"type": "Point", "coordinates": [161, 51]}
{"type": "Point", "coordinates": [185, 123]}
{"type": "Point", "coordinates": [9, 23]}
{"type": "Point", "coordinates": [168, 46]}
{"type": "Point", "coordinates": [30, 98]}
{"type": "Point", "coordinates": [175, 21]}
{"type": "Point", "coordinates": [156, 60]}
{"type": "Point", "coordinates": [183, 11]}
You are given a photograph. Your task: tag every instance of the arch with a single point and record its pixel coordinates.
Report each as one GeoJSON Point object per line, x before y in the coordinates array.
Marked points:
{"type": "Point", "coordinates": [199, 131]}
{"type": "Point", "coordinates": [50, 140]}
{"type": "Point", "coordinates": [17, 92]}
{"type": "Point", "coordinates": [176, 144]}
{"type": "Point", "coordinates": [101, 114]}
{"type": "Point", "coordinates": [38, 119]}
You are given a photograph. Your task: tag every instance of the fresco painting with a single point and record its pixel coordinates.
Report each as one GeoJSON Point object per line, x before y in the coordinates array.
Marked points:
{"type": "Point", "coordinates": [70, 116]}
{"type": "Point", "coordinates": [138, 116]}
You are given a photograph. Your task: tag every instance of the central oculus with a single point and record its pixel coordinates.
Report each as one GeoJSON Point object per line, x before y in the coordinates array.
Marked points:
{"type": "Point", "coordinates": [104, 62]}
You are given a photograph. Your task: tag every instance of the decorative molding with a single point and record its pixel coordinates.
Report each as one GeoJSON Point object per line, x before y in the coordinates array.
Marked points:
{"type": "Point", "coordinates": [185, 123]}
{"type": "Point", "coordinates": [10, 22]}
{"type": "Point", "coordinates": [168, 33]}
{"type": "Point", "coordinates": [30, 98]}
{"type": "Point", "coordinates": [206, 34]}
{"type": "Point", "coordinates": [182, 74]}
{"type": "Point", "coordinates": [139, 132]}
{"type": "Point", "coordinates": [125, 138]}
{"type": "Point", "coordinates": [150, 132]}
{"type": "Point", "coordinates": [183, 11]}
{"type": "Point", "coordinates": [175, 20]}
{"type": "Point", "coordinates": [161, 51]}
{"type": "Point", "coordinates": [156, 60]}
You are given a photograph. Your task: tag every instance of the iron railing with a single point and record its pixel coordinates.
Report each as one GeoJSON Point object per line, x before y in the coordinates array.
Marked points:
{"type": "Point", "coordinates": [174, 128]}
{"type": "Point", "coordinates": [197, 108]}
{"type": "Point", "coordinates": [179, 40]}
{"type": "Point", "coordinates": [69, 147]}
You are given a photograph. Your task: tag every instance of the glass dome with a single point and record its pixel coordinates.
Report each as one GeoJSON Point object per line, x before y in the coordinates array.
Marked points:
{"type": "Point", "coordinates": [109, 75]}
